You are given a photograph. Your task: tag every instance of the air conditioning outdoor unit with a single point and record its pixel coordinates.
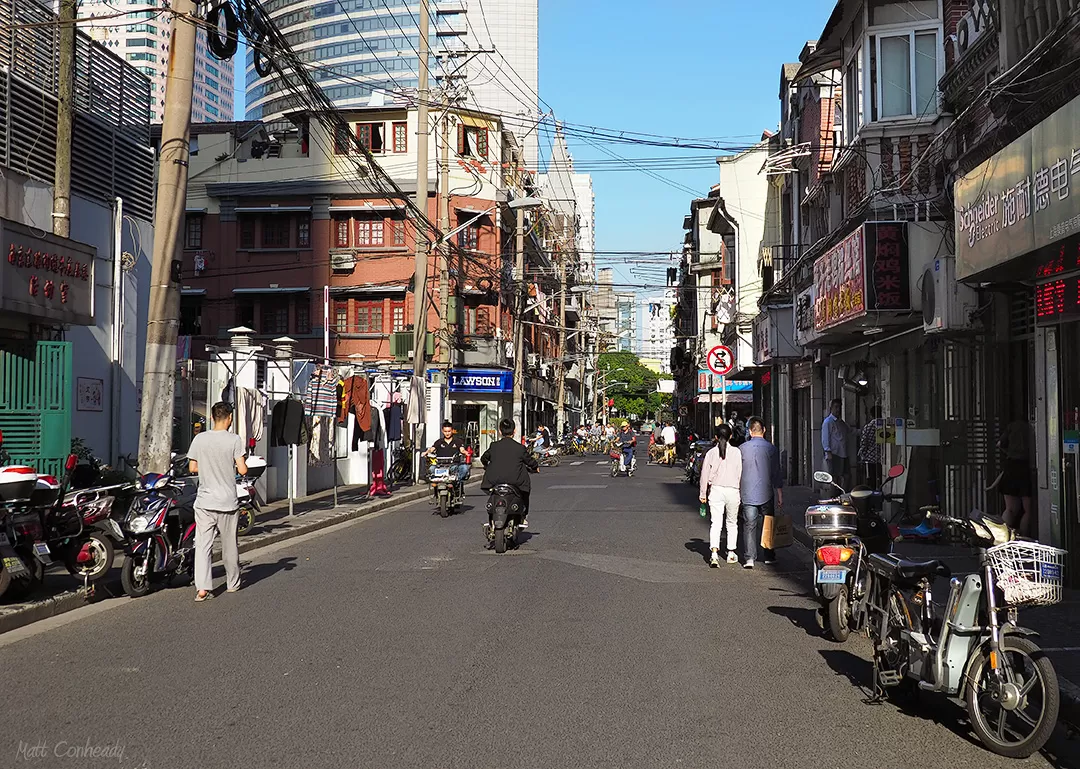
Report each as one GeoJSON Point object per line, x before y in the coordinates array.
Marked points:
{"type": "Point", "coordinates": [946, 304]}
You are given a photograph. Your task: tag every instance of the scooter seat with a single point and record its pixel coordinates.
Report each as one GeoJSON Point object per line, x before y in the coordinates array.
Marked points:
{"type": "Point", "coordinates": [901, 570]}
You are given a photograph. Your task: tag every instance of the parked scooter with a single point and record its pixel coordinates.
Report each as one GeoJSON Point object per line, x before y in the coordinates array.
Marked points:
{"type": "Point", "coordinates": [160, 529]}
{"type": "Point", "coordinates": [246, 497]}
{"type": "Point", "coordinates": [844, 530]}
{"type": "Point", "coordinates": [694, 461]}
{"type": "Point", "coordinates": [506, 509]}
{"type": "Point", "coordinates": [974, 651]}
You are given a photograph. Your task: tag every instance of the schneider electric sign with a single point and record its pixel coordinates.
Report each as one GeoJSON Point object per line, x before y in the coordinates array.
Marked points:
{"type": "Point", "coordinates": [481, 381]}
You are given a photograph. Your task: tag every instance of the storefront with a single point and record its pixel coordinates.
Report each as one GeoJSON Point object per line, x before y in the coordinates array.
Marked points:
{"type": "Point", "coordinates": [1018, 223]}
{"type": "Point", "coordinates": [479, 398]}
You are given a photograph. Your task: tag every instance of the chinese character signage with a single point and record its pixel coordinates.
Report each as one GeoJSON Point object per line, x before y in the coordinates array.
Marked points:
{"type": "Point", "coordinates": [803, 317]}
{"type": "Point", "coordinates": [887, 287]}
{"type": "Point", "coordinates": [1023, 198]}
{"type": "Point", "coordinates": [840, 283]}
{"type": "Point", "coordinates": [46, 277]}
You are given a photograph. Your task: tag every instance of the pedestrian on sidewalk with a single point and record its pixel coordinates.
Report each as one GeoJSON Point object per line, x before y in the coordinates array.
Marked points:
{"type": "Point", "coordinates": [834, 440]}
{"type": "Point", "coordinates": [721, 476]}
{"type": "Point", "coordinates": [1014, 480]}
{"type": "Point", "coordinates": [870, 450]}
{"type": "Point", "coordinates": [762, 489]}
{"type": "Point", "coordinates": [216, 456]}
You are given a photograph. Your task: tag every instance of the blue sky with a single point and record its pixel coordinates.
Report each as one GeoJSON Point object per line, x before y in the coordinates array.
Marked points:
{"type": "Point", "coordinates": [681, 68]}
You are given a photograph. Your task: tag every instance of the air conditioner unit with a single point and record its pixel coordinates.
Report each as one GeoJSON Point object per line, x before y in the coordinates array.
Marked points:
{"type": "Point", "coordinates": [545, 370]}
{"type": "Point", "coordinates": [342, 262]}
{"type": "Point", "coordinates": [533, 360]}
{"type": "Point", "coordinates": [946, 304]}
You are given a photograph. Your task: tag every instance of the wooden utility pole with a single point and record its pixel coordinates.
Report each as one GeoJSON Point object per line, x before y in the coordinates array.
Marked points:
{"type": "Point", "coordinates": [422, 245]}
{"type": "Point", "coordinates": [519, 324]}
{"type": "Point", "coordinates": [159, 370]}
{"type": "Point", "coordinates": [65, 120]}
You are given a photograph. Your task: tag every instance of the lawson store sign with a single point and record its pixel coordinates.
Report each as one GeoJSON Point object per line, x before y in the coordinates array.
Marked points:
{"type": "Point", "coordinates": [472, 380]}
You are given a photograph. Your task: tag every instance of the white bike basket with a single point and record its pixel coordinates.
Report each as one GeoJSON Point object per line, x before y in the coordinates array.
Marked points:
{"type": "Point", "coordinates": [1029, 574]}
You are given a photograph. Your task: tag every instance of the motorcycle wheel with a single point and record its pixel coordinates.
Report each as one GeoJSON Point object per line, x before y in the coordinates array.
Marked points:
{"type": "Point", "coordinates": [134, 586]}
{"type": "Point", "coordinates": [614, 469]}
{"type": "Point", "coordinates": [1020, 732]}
{"type": "Point", "coordinates": [444, 505]}
{"type": "Point", "coordinates": [102, 554]}
{"type": "Point", "coordinates": [21, 587]}
{"type": "Point", "coordinates": [500, 540]}
{"type": "Point", "coordinates": [245, 520]}
{"type": "Point", "coordinates": [837, 610]}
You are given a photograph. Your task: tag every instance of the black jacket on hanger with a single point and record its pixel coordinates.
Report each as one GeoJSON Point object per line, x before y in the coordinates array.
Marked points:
{"type": "Point", "coordinates": [288, 426]}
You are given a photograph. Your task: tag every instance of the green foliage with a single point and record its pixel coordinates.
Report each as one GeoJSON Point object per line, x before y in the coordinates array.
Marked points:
{"type": "Point", "coordinates": [639, 395]}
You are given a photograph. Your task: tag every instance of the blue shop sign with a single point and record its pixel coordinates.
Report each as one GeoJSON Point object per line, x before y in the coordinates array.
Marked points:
{"type": "Point", "coordinates": [472, 380]}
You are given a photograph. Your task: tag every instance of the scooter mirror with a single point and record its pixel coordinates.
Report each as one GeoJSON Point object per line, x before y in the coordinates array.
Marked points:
{"type": "Point", "coordinates": [822, 477]}
{"type": "Point", "coordinates": [72, 460]}
{"type": "Point", "coordinates": [896, 471]}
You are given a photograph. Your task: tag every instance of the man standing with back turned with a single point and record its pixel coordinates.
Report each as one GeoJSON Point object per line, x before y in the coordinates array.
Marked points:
{"type": "Point", "coordinates": [762, 487]}
{"type": "Point", "coordinates": [834, 440]}
{"type": "Point", "coordinates": [216, 456]}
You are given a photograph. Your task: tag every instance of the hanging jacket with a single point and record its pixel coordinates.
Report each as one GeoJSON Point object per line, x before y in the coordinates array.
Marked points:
{"type": "Point", "coordinates": [357, 394]}
{"type": "Point", "coordinates": [288, 424]}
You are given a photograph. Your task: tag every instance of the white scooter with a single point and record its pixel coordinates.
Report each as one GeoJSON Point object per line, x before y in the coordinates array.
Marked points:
{"type": "Point", "coordinates": [247, 499]}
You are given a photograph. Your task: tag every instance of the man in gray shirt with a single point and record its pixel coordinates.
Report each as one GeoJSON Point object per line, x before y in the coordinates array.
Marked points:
{"type": "Point", "coordinates": [761, 486]}
{"type": "Point", "coordinates": [216, 457]}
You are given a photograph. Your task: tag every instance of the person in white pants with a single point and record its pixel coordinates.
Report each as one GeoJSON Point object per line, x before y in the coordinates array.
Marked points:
{"type": "Point", "coordinates": [721, 477]}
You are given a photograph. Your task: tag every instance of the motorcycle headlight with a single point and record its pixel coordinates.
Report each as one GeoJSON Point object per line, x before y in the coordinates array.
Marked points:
{"type": "Point", "coordinates": [162, 482]}
{"type": "Point", "coordinates": [138, 524]}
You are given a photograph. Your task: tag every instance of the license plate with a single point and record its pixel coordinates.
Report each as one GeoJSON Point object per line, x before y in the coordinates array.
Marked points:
{"type": "Point", "coordinates": [831, 576]}
{"type": "Point", "coordinates": [440, 473]}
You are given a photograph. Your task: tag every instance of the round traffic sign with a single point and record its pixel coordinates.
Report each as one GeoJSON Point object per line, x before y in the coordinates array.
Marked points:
{"type": "Point", "coordinates": [720, 360]}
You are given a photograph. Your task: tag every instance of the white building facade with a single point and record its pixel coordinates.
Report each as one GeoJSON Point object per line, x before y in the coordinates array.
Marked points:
{"type": "Point", "coordinates": [655, 335]}
{"type": "Point", "coordinates": [142, 39]}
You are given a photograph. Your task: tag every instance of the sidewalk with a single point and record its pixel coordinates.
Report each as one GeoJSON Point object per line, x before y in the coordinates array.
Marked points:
{"type": "Point", "coordinates": [61, 593]}
{"type": "Point", "coordinates": [1058, 626]}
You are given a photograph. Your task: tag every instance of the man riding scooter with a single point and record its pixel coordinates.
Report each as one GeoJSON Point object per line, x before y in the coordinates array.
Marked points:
{"type": "Point", "coordinates": [452, 447]}
{"type": "Point", "coordinates": [507, 461]}
{"type": "Point", "coordinates": [627, 444]}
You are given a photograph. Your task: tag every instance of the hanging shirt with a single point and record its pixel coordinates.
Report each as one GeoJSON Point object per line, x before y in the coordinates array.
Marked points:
{"type": "Point", "coordinates": [392, 415]}
{"type": "Point", "coordinates": [321, 400]}
{"type": "Point", "coordinates": [357, 394]}
{"type": "Point", "coordinates": [288, 425]}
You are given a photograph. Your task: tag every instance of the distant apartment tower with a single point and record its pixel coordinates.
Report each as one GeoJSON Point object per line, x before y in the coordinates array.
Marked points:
{"type": "Point", "coordinates": [655, 334]}
{"type": "Point", "coordinates": [360, 49]}
{"type": "Point", "coordinates": [142, 39]}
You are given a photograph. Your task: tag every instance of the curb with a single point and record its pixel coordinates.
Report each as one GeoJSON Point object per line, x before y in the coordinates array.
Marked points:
{"type": "Point", "coordinates": [1069, 713]}
{"type": "Point", "coordinates": [76, 599]}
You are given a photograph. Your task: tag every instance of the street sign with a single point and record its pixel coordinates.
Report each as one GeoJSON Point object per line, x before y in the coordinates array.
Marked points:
{"type": "Point", "coordinates": [720, 360]}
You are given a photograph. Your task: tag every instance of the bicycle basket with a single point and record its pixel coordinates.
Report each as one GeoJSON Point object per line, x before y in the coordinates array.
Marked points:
{"type": "Point", "coordinates": [1028, 573]}
{"type": "Point", "coordinates": [614, 454]}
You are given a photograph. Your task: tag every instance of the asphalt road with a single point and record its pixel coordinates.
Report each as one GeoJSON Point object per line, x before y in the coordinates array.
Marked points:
{"type": "Point", "coordinates": [399, 641]}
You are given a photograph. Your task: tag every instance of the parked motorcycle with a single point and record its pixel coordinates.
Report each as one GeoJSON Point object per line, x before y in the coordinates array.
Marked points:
{"type": "Point", "coordinates": [160, 530]}
{"type": "Point", "coordinates": [447, 491]}
{"type": "Point", "coordinates": [975, 651]}
{"type": "Point", "coordinates": [698, 449]}
{"type": "Point", "coordinates": [246, 497]}
{"type": "Point", "coordinates": [844, 529]}
{"type": "Point", "coordinates": [506, 509]}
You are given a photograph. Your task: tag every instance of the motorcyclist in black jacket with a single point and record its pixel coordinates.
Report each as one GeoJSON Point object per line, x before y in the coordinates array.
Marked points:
{"type": "Point", "coordinates": [507, 461]}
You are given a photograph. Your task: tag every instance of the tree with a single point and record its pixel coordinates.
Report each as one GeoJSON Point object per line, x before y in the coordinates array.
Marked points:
{"type": "Point", "coordinates": [639, 395]}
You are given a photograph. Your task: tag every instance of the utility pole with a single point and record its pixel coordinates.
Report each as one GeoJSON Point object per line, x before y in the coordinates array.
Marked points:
{"type": "Point", "coordinates": [422, 130]}
{"type": "Point", "coordinates": [159, 370]}
{"type": "Point", "coordinates": [65, 121]}
{"type": "Point", "coordinates": [560, 417]}
{"type": "Point", "coordinates": [444, 251]}
{"type": "Point", "coordinates": [519, 324]}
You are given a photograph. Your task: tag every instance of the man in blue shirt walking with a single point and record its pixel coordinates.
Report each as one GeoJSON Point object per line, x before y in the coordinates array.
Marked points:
{"type": "Point", "coordinates": [761, 488]}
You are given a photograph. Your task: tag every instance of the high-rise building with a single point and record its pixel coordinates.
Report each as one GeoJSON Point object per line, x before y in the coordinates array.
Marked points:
{"type": "Point", "coordinates": [358, 50]}
{"type": "Point", "coordinates": [586, 210]}
{"type": "Point", "coordinates": [142, 38]}
{"type": "Point", "coordinates": [655, 334]}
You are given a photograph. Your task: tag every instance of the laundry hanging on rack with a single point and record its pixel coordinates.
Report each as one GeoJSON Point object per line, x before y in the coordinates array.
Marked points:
{"type": "Point", "coordinates": [321, 448]}
{"type": "Point", "coordinates": [288, 424]}
{"type": "Point", "coordinates": [392, 421]}
{"type": "Point", "coordinates": [417, 411]}
{"type": "Point", "coordinates": [321, 399]}
{"type": "Point", "coordinates": [250, 415]}
{"type": "Point", "coordinates": [356, 392]}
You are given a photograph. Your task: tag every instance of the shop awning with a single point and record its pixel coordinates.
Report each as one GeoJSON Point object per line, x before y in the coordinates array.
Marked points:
{"type": "Point", "coordinates": [193, 292]}
{"type": "Point", "coordinates": [337, 290]}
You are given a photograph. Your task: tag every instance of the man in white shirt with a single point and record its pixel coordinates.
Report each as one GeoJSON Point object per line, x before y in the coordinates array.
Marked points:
{"type": "Point", "coordinates": [668, 434]}
{"type": "Point", "coordinates": [834, 440]}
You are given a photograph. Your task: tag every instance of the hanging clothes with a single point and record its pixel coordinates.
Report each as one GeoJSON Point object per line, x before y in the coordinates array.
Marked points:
{"type": "Point", "coordinates": [357, 393]}
{"type": "Point", "coordinates": [228, 394]}
{"type": "Point", "coordinates": [250, 415]}
{"type": "Point", "coordinates": [321, 399]}
{"type": "Point", "coordinates": [288, 424]}
{"type": "Point", "coordinates": [392, 421]}
{"type": "Point", "coordinates": [417, 403]}
{"type": "Point", "coordinates": [378, 434]}
{"type": "Point", "coordinates": [320, 450]}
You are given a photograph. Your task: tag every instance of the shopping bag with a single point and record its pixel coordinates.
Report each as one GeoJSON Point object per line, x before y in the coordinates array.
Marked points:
{"type": "Point", "coordinates": [776, 532]}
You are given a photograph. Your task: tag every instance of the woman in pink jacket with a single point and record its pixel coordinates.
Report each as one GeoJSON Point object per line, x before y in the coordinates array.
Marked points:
{"type": "Point", "coordinates": [721, 477]}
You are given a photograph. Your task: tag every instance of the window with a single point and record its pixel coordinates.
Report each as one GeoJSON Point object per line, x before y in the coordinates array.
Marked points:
{"type": "Point", "coordinates": [399, 232]}
{"type": "Point", "coordinates": [853, 96]}
{"type": "Point", "coordinates": [369, 232]}
{"type": "Point", "coordinates": [469, 238]}
{"type": "Point", "coordinates": [370, 136]}
{"type": "Point", "coordinates": [245, 314]}
{"type": "Point", "coordinates": [904, 74]}
{"type": "Point", "coordinates": [303, 232]}
{"type": "Point", "coordinates": [369, 316]}
{"type": "Point", "coordinates": [303, 316]}
{"type": "Point", "coordinates": [341, 233]}
{"type": "Point", "coordinates": [397, 315]}
{"type": "Point", "coordinates": [470, 320]}
{"type": "Point", "coordinates": [191, 315]}
{"type": "Point", "coordinates": [401, 137]}
{"type": "Point", "coordinates": [275, 232]}
{"type": "Point", "coordinates": [247, 232]}
{"type": "Point", "coordinates": [193, 231]}
{"type": "Point", "coordinates": [472, 141]}
{"type": "Point", "coordinates": [275, 316]}
{"type": "Point", "coordinates": [341, 316]}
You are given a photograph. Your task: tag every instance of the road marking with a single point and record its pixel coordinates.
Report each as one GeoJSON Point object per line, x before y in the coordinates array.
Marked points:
{"type": "Point", "coordinates": [581, 486]}
{"type": "Point", "coordinates": [601, 464]}
{"type": "Point", "coordinates": [575, 464]}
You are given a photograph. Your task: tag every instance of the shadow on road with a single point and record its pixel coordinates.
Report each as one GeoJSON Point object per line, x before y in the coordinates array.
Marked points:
{"type": "Point", "coordinates": [801, 617]}
{"type": "Point", "coordinates": [857, 670]}
{"type": "Point", "coordinates": [261, 571]}
{"type": "Point", "coordinates": [699, 546]}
